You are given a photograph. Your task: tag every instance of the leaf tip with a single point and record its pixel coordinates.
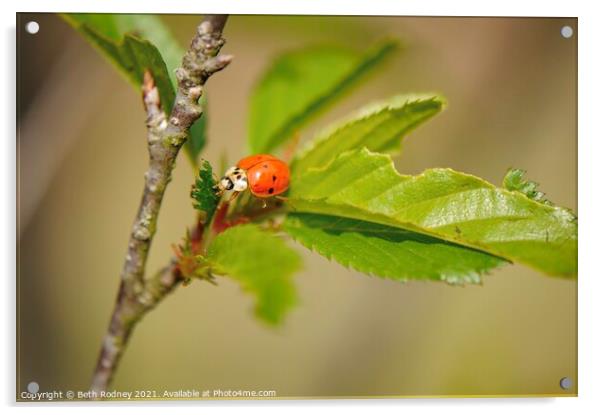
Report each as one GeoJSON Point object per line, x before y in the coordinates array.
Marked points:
{"type": "Point", "coordinates": [514, 181]}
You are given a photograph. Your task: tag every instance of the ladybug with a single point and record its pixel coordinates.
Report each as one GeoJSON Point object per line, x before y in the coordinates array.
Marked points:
{"type": "Point", "coordinates": [263, 174]}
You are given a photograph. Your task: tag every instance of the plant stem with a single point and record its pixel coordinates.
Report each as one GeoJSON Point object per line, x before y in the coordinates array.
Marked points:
{"type": "Point", "coordinates": [166, 135]}
{"type": "Point", "coordinates": [126, 314]}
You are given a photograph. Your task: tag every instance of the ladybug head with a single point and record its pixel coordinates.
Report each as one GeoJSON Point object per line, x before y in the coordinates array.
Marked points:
{"type": "Point", "coordinates": [234, 179]}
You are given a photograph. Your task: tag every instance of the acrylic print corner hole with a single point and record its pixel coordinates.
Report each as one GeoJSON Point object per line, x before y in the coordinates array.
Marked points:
{"type": "Point", "coordinates": [32, 27]}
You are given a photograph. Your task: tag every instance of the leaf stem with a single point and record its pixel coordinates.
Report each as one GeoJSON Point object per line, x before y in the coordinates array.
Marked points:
{"type": "Point", "coordinates": [166, 135]}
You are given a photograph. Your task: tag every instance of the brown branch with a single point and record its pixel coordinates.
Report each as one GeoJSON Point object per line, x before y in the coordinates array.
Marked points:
{"type": "Point", "coordinates": [166, 135]}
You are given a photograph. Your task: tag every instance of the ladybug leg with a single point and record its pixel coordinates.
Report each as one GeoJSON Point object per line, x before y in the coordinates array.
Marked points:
{"type": "Point", "coordinates": [264, 204]}
{"type": "Point", "coordinates": [217, 188]}
{"type": "Point", "coordinates": [234, 196]}
{"type": "Point", "coordinates": [282, 198]}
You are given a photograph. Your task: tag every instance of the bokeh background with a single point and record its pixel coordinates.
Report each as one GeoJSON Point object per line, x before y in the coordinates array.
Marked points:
{"type": "Point", "coordinates": [511, 86]}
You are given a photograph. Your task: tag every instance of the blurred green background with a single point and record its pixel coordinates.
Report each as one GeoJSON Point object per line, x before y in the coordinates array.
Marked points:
{"type": "Point", "coordinates": [511, 86]}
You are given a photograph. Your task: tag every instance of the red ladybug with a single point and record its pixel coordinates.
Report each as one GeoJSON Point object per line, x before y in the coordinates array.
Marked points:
{"type": "Point", "coordinates": [264, 175]}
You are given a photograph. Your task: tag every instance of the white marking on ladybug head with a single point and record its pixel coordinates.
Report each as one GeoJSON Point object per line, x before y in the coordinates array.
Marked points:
{"type": "Point", "coordinates": [235, 179]}
{"type": "Point", "coordinates": [225, 184]}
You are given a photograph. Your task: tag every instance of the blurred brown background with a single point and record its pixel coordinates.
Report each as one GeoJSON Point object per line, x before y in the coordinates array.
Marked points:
{"type": "Point", "coordinates": [511, 86]}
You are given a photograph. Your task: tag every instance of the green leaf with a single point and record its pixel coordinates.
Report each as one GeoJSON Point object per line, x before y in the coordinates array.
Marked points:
{"type": "Point", "coordinates": [114, 26]}
{"type": "Point", "coordinates": [445, 204]}
{"type": "Point", "coordinates": [262, 263]}
{"type": "Point", "coordinates": [134, 43]}
{"type": "Point", "coordinates": [301, 84]}
{"type": "Point", "coordinates": [203, 192]}
{"type": "Point", "coordinates": [379, 127]}
{"type": "Point", "coordinates": [134, 56]}
{"type": "Point", "coordinates": [387, 251]}
{"type": "Point", "coordinates": [514, 181]}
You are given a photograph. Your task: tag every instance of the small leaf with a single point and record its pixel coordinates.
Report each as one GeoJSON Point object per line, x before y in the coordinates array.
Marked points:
{"type": "Point", "coordinates": [301, 84]}
{"type": "Point", "coordinates": [387, 251]}
{"type": "Point", "coordinates": [203, 193]}
{"type": "Point", "coordinates": [514, 181]}
{"type": "Point", "coordinates": [262, 263]}
{"type": "Point", "coordinates": [134, 43]}
{"type": "Point", "coordinates": [379, 127]}
{"type": "Point", "coordinates": [189, 263]}
{"type": "Point", "coordinates": [445, 204]}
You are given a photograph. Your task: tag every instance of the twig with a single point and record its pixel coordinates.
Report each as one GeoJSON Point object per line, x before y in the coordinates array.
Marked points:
{"type": "Point", "coordinates": [165, 138]}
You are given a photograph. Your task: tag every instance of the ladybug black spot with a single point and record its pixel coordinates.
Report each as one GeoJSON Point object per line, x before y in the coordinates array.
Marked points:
{"type": "Point", "coordinates": [271, 190]}
{"type": "Point", "coordinates": [273, 178]}
{"type": "Point", "coordinates": [265, 166]}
